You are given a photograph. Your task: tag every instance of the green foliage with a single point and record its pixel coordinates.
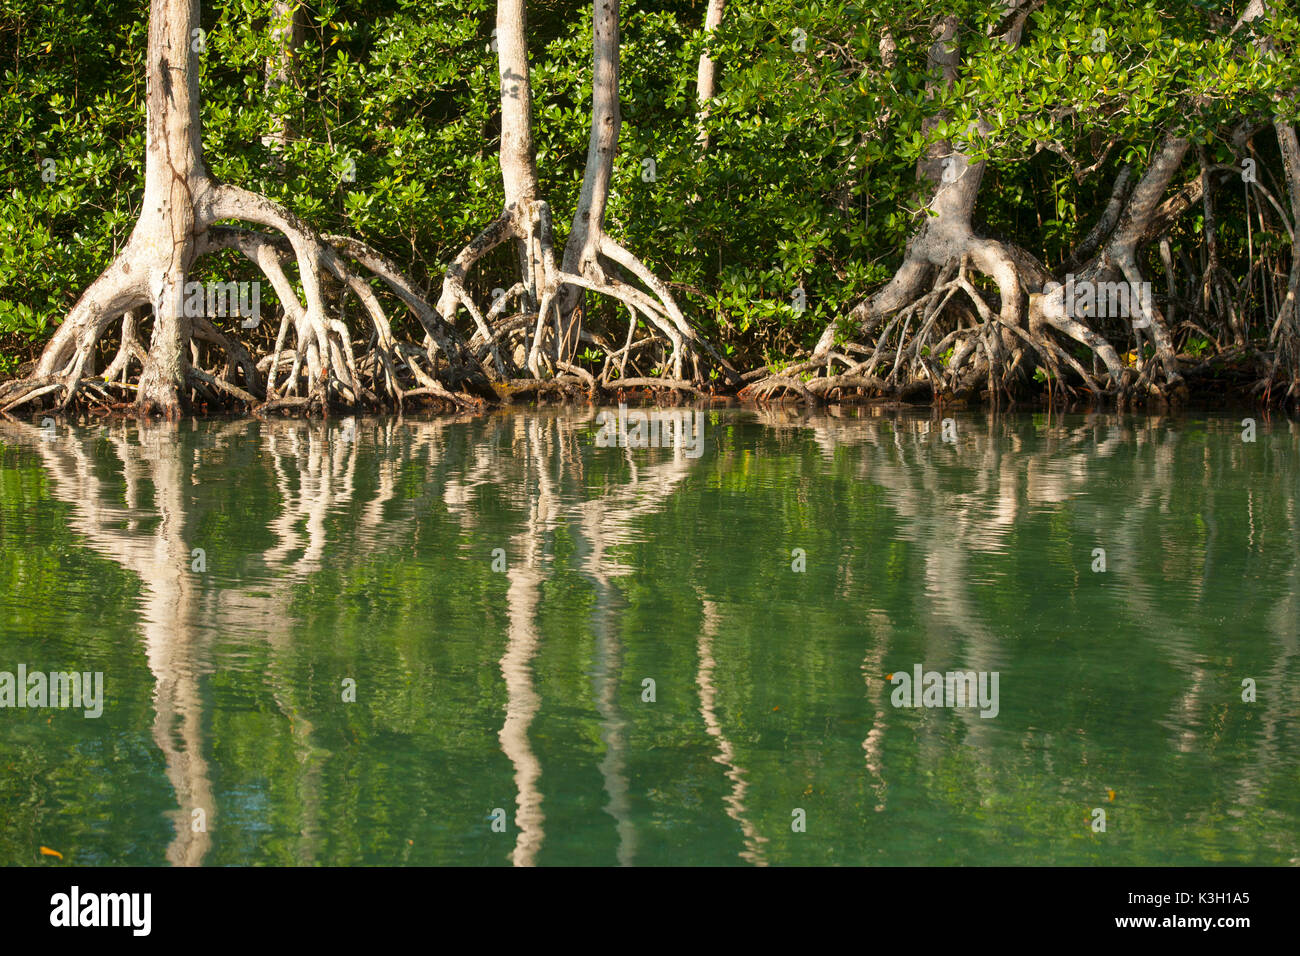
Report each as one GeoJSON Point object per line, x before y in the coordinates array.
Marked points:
{"type": "Point", "coordinates": [71, 155]}
{"type": "Point", "coordinates": [809, 182]}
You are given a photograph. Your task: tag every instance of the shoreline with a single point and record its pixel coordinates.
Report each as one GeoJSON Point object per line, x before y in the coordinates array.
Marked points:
{"type": "Point", "coordinates": [1201, 404]}
{"type": "Point", "coordinates": [1238, 390]}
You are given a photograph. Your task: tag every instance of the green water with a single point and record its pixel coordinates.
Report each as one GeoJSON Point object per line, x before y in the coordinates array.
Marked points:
{"type": "Point", "coordinates": [364, 552]}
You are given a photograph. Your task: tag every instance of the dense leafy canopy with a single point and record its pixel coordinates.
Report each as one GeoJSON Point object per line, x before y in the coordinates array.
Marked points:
{"type": "Point", "coordinates": [809, 182]}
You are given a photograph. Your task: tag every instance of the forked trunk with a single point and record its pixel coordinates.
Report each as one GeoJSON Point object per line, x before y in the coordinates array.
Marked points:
{"type": "Point", "coordinates": [180, 207]}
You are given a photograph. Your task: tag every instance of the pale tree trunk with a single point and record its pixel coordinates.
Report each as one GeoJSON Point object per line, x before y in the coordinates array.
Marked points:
{"type": "Point", "coordinates": [151, 267]}
{"type": "Point", "coordinates": [524, 219]}
{"type": "Point", "coordinates": [945, 244]}
{"type": "Point", "coordinates": [182, 202]}
{"type": "Point", "coordinates": [174, 176]}
{"type": "Point", "coordinates": [1118, 256]}
{"type": "Point", "coordinates": [706, 75]}
{"type": "Point", "coordinates": [935, 266]}
{"type": "Point", "coordinates": [948, 210]}
{"type": "Point", "coordinates": [556, 292]}
{"type": "Point", "coordinates": [588, 243]}
{"type": "Point", "coordinates": [582, 248]}
{"type": "Point", "coordinates": [518, 157]}
{"type": "Point", "coordinates": [583, 245]}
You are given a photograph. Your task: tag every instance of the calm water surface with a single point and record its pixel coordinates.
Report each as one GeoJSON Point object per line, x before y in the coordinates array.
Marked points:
{"type": "Point", "coordinates": [231, 581]}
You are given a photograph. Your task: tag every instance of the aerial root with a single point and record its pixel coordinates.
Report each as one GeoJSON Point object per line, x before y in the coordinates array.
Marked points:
{"type": "Point", "coordinates": [915, 350]}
